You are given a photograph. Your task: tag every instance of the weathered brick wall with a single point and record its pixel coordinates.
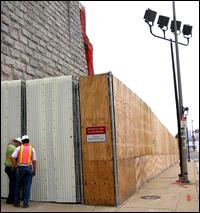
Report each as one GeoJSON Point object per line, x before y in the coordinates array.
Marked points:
{"type": "Point", "coordinates": [41, 39]}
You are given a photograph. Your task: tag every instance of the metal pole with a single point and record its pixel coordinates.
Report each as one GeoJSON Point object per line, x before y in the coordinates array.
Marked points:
{"type": "Point", "coordinates": [193, 140]}
{"type": "Point", "coordinates": [192, 127]}
{"type": "Point", "coordinates": [23, 108]}
{"type": "Point", "coordinates": [177, 106]}
{"type": "Point", "coordinates": [188, 146]}
{"type": "Point", "coordinates": [184, 175]}
{"type": "Point", "coordinates": [77, 141]}
{"type": "Point", "coordinates": [113, 133]}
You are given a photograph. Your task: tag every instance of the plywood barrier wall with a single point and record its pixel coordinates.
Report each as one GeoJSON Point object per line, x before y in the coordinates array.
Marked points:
{"type": "Point", "coordinates": [144, 147]}
{"type": "Point", "coordinates": [98, 177]}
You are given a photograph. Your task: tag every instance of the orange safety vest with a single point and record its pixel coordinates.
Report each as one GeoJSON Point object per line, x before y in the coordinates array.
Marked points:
{"type": "Point", "coordinates": [25, 154]}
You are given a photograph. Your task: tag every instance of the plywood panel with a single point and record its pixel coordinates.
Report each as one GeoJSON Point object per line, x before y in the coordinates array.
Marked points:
{"type": "Point", "coordinates": [98, 175]}
{"type": "Point", "coordinates": [147, 167]}
{"type": "Point", "coordinates": [98, 183]}
{"type": "Point", "coordinates": [94, 100]}
{"type": "Point", "coordinates": [133, 123]}
{"type": "Point", "coordinates": [126, 178]}
{"type": "Point", "coordinates": [126, 123]}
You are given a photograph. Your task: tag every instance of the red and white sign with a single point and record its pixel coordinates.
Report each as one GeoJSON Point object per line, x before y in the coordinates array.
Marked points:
{"type": "Point", "coordinates": [183, 122]}
{"type": "Point", "coordinates": [96, 133]}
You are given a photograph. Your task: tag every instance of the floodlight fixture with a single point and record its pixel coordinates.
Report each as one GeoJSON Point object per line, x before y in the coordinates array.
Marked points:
{"type": "Point", "coordinates": [187, 31]}
{"type": "Point", "coordinates": [150, 16]}
{"type": "Point", "coordinates": [163, 22]}
{"type": "Point", "coordinates": [185, 110]}
{"type": "Point", "coordinates": [178, 26]}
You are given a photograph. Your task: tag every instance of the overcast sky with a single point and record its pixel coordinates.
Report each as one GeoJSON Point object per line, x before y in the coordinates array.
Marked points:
{"type": "Point", "coordinates": [123, 44]}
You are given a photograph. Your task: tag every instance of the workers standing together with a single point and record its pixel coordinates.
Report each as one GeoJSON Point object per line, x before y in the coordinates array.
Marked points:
{"type": "Point", "coordinates": [24, 160]}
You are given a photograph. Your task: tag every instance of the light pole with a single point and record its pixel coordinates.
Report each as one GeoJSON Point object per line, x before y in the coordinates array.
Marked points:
{"type": "Point", "coordinates": [163, 21]}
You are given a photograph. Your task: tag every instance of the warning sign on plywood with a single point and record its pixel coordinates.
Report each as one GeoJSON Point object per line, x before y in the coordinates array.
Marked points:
{"type": "Point", "coordinates": [96, 134]}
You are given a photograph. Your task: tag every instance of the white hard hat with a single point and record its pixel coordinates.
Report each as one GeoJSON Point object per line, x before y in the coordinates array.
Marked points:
{"type": "Point", "coordinates": [25, 137]}
{"type": "Point", "coordinates": [18, 139]}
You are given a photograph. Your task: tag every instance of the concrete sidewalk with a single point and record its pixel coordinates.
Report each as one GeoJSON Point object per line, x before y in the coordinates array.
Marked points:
{"type": "Point", "coordinates": [173, 197]}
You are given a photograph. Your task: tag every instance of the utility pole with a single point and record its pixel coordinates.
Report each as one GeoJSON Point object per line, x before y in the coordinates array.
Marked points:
{"type": "Point", "coordinates": [163, 21]}
{"type": "Point", "coordinates": [188, 145]}
{"type": "Point", "coordinates": [184, 171]}
{"type": "Point", "coordinates": [193, 139]}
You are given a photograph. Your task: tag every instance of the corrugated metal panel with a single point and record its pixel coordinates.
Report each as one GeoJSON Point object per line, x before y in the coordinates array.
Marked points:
{"type": "Point", "coordinates": [10, 122]}
{"type": "Point", "coordinates": [50, 127]}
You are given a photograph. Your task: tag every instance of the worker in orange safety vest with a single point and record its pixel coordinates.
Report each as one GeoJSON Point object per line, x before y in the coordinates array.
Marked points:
{"type": "Point", "coordinates": [25, 155]}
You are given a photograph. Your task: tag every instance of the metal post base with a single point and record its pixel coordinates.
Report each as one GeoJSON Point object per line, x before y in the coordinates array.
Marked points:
{"type": "Point", "coordinates": [182, 180]}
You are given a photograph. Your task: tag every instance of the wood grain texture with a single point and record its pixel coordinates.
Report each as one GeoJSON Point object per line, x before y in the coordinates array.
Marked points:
{"type": "Point", "coordinates": [144, 147]}
{"type": "Point", "coordinates": [126, 178]}
{"type": "Point", "coordinates": [98, 175]}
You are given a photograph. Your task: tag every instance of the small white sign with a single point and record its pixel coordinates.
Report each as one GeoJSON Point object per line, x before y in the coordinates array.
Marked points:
{"type": "Point", "coordinates": [96, 138]}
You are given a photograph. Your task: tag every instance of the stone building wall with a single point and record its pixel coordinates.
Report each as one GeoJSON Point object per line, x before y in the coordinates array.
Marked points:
{"type": "Point", "coordinates": [41, 39]}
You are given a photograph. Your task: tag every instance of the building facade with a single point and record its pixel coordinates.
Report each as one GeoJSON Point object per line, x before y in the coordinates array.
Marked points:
{"type": "Point", "coordinates": [41, 39]}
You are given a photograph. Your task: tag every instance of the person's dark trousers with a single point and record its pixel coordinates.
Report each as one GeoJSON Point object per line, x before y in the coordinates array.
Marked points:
{"type": "Point", "coordinates": [24, 176]}
{"type": "Point", "coordinates": [12, 180]}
